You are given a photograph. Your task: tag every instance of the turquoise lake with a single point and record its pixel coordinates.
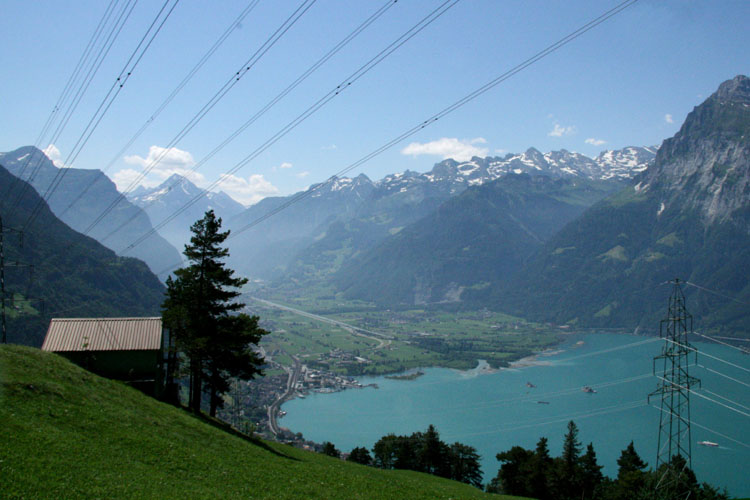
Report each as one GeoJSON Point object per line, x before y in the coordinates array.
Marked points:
{"type": "Point", "coordinates": [495, 411]}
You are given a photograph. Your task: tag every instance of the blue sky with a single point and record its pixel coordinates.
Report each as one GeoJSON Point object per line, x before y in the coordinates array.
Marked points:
{"type": "Point", "coordinates": [630, 81]}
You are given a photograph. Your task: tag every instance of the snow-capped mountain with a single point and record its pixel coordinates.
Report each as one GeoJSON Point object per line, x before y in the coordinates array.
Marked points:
{"type": "Point", "coordinates": [352, 214]}
{"type": "Point", "coordinates": [623, 164]}
{"type": "Point", "coordinates": [174, 193]}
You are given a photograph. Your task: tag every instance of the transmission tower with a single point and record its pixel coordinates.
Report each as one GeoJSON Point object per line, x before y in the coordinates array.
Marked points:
{"type": "Point", "coordinates": [674, 387]}
{"type": "Point", "coordinates": [6, 298]}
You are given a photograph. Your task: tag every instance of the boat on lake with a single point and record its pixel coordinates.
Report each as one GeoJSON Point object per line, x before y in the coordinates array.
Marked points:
{"type": "Point", "coordinates": [589, 390]}
{"type": "Point", "coordinates": [708, 443]}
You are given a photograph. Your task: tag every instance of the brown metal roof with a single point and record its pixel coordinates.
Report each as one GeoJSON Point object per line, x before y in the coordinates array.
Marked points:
{"type": "Point", "coordinates": [103, 334]}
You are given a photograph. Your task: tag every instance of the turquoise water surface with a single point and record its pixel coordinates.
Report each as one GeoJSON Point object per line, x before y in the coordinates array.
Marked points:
{"type": "Point", "coordinates": [496, 411]}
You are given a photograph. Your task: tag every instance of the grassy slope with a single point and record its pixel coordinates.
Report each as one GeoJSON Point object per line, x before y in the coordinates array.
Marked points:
{"type": "Point", "coordinates": [66, 433]}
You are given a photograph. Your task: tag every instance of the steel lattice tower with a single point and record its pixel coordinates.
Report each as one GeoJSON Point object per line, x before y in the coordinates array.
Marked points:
{"type": "Point", "coordinates": [675, 384]}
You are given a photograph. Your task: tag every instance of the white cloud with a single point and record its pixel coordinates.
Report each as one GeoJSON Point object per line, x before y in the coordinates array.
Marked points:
{"type": "Point", "coordinates": [125, 178]}
{"type": "Point", "coordinates": [162, 158]}
{"type": "Point", "coordinates": [595, 142]}
{"type": "Point", "coordinates": [304, 174]}
{"type": "Point", "coordinates": [283, 166]}
{"type": "Point", "coordinates": [668, 118]}
{"type": "Point", "coordinates": [448, 147]}
{"type": "Point", "coordinates": [54, 155]}
{"type": "Point", "coordinates": [247, 191]}
{"type": "Point", "coordinates": [329, 148]}
{"type": "Point", "coordinates": [559, 131]}
{"type": "Point", "coordinates": [162, 163]}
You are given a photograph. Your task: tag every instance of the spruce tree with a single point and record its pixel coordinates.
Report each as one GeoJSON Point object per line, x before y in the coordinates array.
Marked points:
{"type": "Point", "coordinates": [201, 315]}
{"type": "Point", "coordinates": [591, 473]}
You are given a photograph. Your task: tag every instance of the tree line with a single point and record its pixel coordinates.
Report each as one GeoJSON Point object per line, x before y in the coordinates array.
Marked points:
{"type": "Point", "coordinates": [421, 452]}
{"type": "Point", "coordinates": [574, 475]}
{"type": "Point", "coordinates": [577, 476]}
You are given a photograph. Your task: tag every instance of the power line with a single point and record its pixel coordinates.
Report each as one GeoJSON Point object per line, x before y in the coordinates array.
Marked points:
{"type": "Point", "coordinates": [332, 94]}
{"type": "Point", "coordinates": [717, 293]}
{"type": "Point", "coordinates": [230, 83]}
{"type": "Point", "coordinates": [377, 14]}
{"type": "Point", "coordinates": [726, 399]}
{"type": "Point", "coordinates": [723, 375]}
{"type": "Point", "coordinates": [461, 102]}
{"type": "Point", "coordinates": [83, 86]}
{"type": "Point", "coordinates": [691, 391]}
{"type": "Point", "coordinates": [708, 429]}
{"type": "Point", "coordinates": [63, 95]}
{"type": "Point", "coordinates": [690, 348]}
{"type": "Point", "coordinates": [233, 25]}
{"type": "Point", "coordinates": [577, 416]}
{"type": "Point", "coordinates": [714, 339]}
{"type": "Point", "coordinates": [118, 84]}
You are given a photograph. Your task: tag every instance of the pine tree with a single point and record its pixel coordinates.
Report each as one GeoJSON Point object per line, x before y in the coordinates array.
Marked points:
{"type": "Point", "coordinates": [541, 468]}
{"type": "Point", "coordinates": [631, 476]}
{"type": "Point", "coordinates": [464, 464]}
{"type": "Point", "coordinates": [567, 473]}
{"type": "Point", "coordinates": [591, 473]}
{"type": "Point", "coordinates": [198, 310]}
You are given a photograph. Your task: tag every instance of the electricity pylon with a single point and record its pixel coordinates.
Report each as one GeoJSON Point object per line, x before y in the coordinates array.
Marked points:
{"type": "Point", "coordinates": [675, 384]}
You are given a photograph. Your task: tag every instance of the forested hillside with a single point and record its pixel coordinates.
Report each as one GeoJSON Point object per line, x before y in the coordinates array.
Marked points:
{"type": "Point", "coordinates": [74, 275]}
{"type": "Point", "coordinates": [478, 238]}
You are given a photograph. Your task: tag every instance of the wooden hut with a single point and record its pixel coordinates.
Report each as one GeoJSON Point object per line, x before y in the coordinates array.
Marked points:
{"type": "Point", "coordinates": [128, 349]}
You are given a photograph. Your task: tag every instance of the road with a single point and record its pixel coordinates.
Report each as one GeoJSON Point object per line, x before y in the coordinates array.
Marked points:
{"type": "Point", "coordinates": [291, 384]}
{"type": "Point", "coordinates": [383, 338]}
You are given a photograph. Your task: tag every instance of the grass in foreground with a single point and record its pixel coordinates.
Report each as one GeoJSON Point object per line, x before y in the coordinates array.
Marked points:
{"type": "Point", "coordinates": [66, 433]}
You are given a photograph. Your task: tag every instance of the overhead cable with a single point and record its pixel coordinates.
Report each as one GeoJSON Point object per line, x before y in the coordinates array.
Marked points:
{"type": "Point", "coordinates": [119, 83]}
{"type": "Point", "coordinates": [269, 105]}
{"type": "Point", "coordinates": [690, 348]}
{"type": "Point", "coordinates": [693, 422]}
{"type": "Point", "coordinates": [82, 87]}
{"type": "Point", "coordinates": [233, 25]}
{"type": "Point", "coordinates": [461, 102]}
{"type": "Point", "coordinates": [230, 83]}
{"type": "Point", "coordinates": [333, 93]}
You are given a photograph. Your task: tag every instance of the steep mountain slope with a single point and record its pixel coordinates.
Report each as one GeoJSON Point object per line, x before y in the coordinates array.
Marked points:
{"type": "Point", "coordinates": [160, 202]}
{"type": "Point", "coordinates": [154, 251]}
{"type": "Point", "coordinates": [473, 240]}
{"type": "Point", "coordinates": [687, 216]}
{"type": "Point", "coordinates": [265, 248]}
{"type": "Point", "coordinates": [67, 433]}
{"type": "Point", "coordinates": [74, 274]}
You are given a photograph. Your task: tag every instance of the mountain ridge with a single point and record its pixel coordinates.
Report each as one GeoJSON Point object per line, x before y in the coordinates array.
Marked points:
{"type": "Point", "coordinates": [80, 211]}
{"type": "Point", "coordinates": [162, 201]}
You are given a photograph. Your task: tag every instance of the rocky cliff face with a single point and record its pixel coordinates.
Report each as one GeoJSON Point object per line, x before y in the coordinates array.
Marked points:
{"type": "Point", "coordinates": [706, 165]}
{"type": "Point", "coordinates": [687, 216]}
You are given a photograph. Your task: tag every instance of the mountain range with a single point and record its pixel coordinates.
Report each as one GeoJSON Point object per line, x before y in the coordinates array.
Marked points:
{"type": "Point", "coordinates": [321, 228]}
{"type": "Point", "coordinates": [556, 237]}
{"type": "Point", "coordinates": [686, 216]}
{"type": "Point", "coordinates": [82, 195]}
